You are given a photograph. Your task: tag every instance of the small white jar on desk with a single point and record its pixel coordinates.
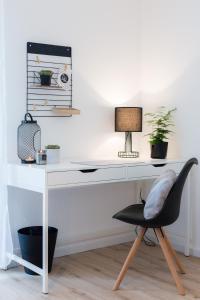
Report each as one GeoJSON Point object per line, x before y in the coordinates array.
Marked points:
{"type": "Point", "coordinates": [53, 154]}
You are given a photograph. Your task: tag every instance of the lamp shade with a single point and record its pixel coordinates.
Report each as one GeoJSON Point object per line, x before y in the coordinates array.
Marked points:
{"type": "Point", "coordinates": [128, 119]}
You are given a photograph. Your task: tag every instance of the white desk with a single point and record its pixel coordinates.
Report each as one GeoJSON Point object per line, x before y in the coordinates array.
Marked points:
{"type": "Point", "coordinates": [43, 178]}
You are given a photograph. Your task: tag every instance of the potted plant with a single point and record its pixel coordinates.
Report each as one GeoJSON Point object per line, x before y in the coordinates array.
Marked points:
{"type": "Point", "coordinates": [161, 122]}
{"type": "Point", "coordinates": [53, 154]}
{"type": "Point", "coordinates": [45, 77]}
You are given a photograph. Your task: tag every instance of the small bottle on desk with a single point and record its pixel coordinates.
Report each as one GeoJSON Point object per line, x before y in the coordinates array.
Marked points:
{"type": "Point", "coordinates": [41, 157]}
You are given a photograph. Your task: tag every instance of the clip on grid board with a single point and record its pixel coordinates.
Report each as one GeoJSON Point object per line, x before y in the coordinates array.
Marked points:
{"type": "Point", "coordinates": [42, 100]}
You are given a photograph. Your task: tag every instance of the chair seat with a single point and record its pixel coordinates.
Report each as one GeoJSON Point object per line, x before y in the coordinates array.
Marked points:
{"type": "Point", "coordinates": [132, 214]}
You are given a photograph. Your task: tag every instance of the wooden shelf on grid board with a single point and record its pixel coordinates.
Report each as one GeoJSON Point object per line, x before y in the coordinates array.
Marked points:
{"type": "Point", "coordinates": [66, 111]}
{"type": "Point", "coordinates": [46, 87]}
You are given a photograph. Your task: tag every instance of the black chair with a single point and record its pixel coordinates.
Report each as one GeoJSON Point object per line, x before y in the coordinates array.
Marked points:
{"type": "Point", "coordinates": [169, 213]}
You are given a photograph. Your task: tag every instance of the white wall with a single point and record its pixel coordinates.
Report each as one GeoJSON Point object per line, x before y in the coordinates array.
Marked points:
{"type": "Point", "coordinates": [119, 49]}
{"type": "Point", "coordinates": [170, 76]}
{"type": "Point", "coordinates": [104, 36]}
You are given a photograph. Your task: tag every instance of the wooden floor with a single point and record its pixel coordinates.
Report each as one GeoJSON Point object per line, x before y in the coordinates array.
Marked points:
{"type": "Point", "coordinates": [90, 275]}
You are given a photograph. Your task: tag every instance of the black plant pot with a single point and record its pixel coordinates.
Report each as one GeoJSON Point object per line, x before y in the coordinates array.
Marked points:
{"type": "Point", "coordinates": [159, 150]}
{"type": "Point", "coordinates": [30, 240]}
{"type": "Point", "coordinates": [45, 80]}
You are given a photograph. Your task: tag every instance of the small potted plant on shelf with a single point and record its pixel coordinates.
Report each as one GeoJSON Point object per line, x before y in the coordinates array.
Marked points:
{"type": "Point", "coordinates": [53, 154]}
{"type": "Point", "coordinates": [45, 77]}
{"type": "Point", "coordinates": [161, 122]}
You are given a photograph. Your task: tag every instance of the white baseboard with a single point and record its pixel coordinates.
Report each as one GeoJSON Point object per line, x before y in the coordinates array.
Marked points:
{"type": "Point", "coordinates": [114, 238]}
{"type": "Point", "coordinates": [87, 243]}
{"type": "Point", "coordinates": [178, 243]}
{"type": "Point", "coordinates": [94, 243]}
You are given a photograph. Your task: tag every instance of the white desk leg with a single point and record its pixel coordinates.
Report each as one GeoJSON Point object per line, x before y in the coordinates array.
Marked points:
{"type": "Point", "coordinates": [188, 220]}
{"type": "Point", "coordinates": [45, 242]}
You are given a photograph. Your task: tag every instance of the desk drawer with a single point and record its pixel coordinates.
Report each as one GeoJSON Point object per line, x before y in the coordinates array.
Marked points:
{"type": "Point", "coordinates": [151, 171]}
{"type": "Point", "coordinates": [84, 176]}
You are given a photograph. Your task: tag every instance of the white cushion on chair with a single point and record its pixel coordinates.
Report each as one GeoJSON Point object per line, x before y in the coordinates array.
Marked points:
{"type": "Point", "coordinates": [158, 193]}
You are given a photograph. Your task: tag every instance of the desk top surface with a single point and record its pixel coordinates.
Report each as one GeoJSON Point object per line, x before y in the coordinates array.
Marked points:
{"type": "Point", "coordinates": [77, 164]}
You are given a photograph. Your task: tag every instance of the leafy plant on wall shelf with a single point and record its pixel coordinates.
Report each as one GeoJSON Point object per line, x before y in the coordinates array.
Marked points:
{"type": "Point", "coordinates": [161, 122]}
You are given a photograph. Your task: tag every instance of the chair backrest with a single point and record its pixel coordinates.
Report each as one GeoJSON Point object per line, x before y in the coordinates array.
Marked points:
{"type": "Point", "coordinates": [171, 208]}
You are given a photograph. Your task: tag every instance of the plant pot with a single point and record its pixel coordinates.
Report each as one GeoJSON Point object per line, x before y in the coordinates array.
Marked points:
{"type": "Point", "coordinates": [45, 80]}
{"type": "Point", "coordinates": [159, 150]}
{"type": "Point", "coordinates": [53, 156]}
{"type": "Point", "coordinates": [30, 240]}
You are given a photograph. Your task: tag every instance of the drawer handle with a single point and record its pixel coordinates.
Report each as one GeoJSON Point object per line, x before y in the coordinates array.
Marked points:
{"type": "Point", "coordinates": [88, 170]}
{"type": "Point", "coordinates": [159, 165]}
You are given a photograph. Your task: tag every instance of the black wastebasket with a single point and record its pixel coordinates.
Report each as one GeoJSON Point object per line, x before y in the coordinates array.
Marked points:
{"type": "Point", "coordinates": [30, 240]}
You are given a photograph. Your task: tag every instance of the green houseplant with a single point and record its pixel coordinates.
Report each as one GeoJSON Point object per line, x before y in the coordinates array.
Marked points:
{"type": "Point", "coordinates": [161, 122]}
{"type": "Point", "coordinates": [53, 154]}
{"type": "Point", "coordinates": [45, 77]}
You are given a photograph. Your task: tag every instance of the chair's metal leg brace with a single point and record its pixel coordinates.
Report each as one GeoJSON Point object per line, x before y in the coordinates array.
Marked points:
{"type": "Point", "coordinates": [45, 241]}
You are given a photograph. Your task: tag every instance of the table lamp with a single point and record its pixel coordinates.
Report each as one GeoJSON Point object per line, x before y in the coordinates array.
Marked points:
{"type": "Point", "coordinates": [128, 120]}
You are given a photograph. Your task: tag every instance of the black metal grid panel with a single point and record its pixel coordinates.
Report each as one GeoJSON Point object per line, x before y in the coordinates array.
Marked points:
{"type": "Point", "coordinates": [42, 99]}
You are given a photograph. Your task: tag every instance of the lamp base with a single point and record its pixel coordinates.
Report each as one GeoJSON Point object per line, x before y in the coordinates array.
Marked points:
{"type": "Point", "coordinates": [132, 154]}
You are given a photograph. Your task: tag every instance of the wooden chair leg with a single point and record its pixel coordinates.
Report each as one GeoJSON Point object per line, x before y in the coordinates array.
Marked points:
{"type": "Point", "coordinates": [170, 261]}
{"type": "Point", "coordinates": [130, 256]}
{"type": "Point", "coordinates": [173, 252]}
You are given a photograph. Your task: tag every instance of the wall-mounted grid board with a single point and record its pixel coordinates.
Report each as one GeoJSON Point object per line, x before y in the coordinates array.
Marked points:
{"type": "Point", "coordinates": [41, 100]}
